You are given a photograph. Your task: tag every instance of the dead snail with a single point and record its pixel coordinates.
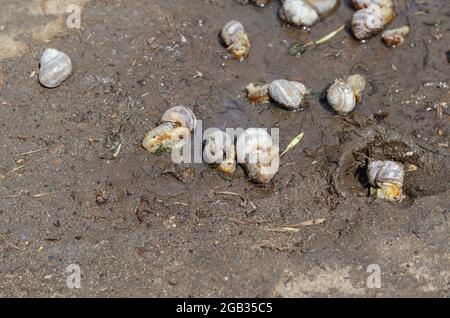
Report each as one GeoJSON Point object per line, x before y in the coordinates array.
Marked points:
{"type": "Point", "coordinates": [289, 94]}
{"type": "Point", "coordinates": [342, 96]}
{"type": "Point", "coordinates": [367, 22]}
{"type": "Point", "coordinates": [175, 127]}
{"type": "Point", "coordinates": [386, 178]}
{"type": "Point", "coordinates": [258, 154]}
{"type": "Point", "coordinates": [219, 149]}
{"type": "Point", "coordinates": [258, 93]}
{"type": "Point", "coordinates": [306, 12]}
{"type": "Point", "coordinates": [236, 40]}
{"type": "Point", "coordinates": [395, 37]}
{"type": "Point", "coordinates": [55, 67]}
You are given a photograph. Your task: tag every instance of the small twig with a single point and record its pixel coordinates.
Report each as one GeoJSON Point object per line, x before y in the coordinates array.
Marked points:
{"type": "Point", "coordinates": [32, 152]}
{"type": "Point", "coordinates": [244, 200]}
{"type": "Point", "coordinates": [2, 237]}
{"type": "Point", "coordinates": [12, 196]}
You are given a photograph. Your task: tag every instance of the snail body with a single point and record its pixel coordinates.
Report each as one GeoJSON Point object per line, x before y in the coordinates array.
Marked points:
{"type": "Point", "coordinates": [175, 128]}
{"type": "Point", "coordinates": [236, 40]}
{"type": "Point", "coordinates": [219, 149]}
{"type": "Point", "coordinates": [386, 179]}
{"type": "Point", "coordinates": [55, 67]}
{"type": "Point", "coordinates": [289, 94]}
{"type": "Point", "coordinates": [395, 37]}
{"type": "Point", "coordinates": [358, 83]}
{"type": "Point", "coordinates": [258, 154]}
{"type": "Point", "coordinates": [258, 93]}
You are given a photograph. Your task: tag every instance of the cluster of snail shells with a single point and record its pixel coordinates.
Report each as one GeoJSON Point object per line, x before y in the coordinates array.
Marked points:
{"type": "Point", "coordinates": [306, 13]}
{"type": "Point", "coordinates": [220, 151]}
{"type": "Point", "coordinates": [174, 130]}
{"type": "Point", "coordinates": [236, 40]}
{"type": "Point", "coordinates": [55, 67]}
{"type": "Point", "coordinates": [342, 96]}
{"type": "Point", "coordinates": [258, 154]}
{"type": "Point", "coordinates": [288, 94]}
{"type": "Point", "coordinates": [371, 17]}
{"type": "Point", "coordinates": [386, 179]}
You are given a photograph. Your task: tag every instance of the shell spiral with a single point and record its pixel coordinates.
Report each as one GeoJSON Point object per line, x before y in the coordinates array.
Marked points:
{"type": "Point", "coordinates": [341, 97]}
{"type": "Point", "coordinates": [380, 172]}
{"type": "Point", "coordinates": [180, 116]}
{"type": "Point", "coordinates": [55, 67]}
{"type": "Point", "coordinates": [230, 30]}
{"type": "Point", "coordinates": [289, 94]}
{"type": "Point", "coordinates": [367, 22]}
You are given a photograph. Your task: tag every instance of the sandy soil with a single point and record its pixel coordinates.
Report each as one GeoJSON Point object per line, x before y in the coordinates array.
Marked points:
{"type": "Point", "coordinates": [163, 230]}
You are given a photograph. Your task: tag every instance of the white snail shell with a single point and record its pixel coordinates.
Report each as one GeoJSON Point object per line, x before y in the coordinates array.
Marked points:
{"type": "Point", "coordinates": [341, 97]}
{"type": "Point", "coordinates": [361, 4]}
{"type": "Point", "coordinates": [55, 67]}
{"type": "Point", "coordinates": [395, 37]}
{"type": "Point", "coordinates": [219, 149]}
{"type": "Point", "coordinates": [288, 94]}
{"type": "Point", "coordinates": [259, 155]}
{"type": "Point", "coordinates": [180, 116]}
{"type": "Point", "coordinates": [174, 130]}
{"type": "Point", "coordinates": [367, 22]}
{"type": "Point", "coordinates": [387, 178]}
{"type": "Point", "coordinates": [235, 38]}
{"type": "Point", "coordinates": [323, 7]}
{"type": "Point", "coordinates": [299, 13]}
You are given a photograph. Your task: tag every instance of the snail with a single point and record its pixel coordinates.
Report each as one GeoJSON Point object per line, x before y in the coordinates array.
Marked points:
{"type": "Point", "coordinates": [258, 93]}
{"type": "Point", "coordinates": [289, 94]}
{"type": "Point", "coordinates": [361, 4]}
{"type": "Point", "coordinates": [175, 127]}
{"type": "Point", "coordinates": [306, 12]}
{"type": "Point", "coordinates": [55, 67]}
{"type": "Point", "coordinates": [386, 178]}
{"type": "Point", "coordinates": [236, 40]}
{"type": "Point", "coordinates": [260, 3]}
{"type": "Point", "coordinates": [258, 154]}
{"type": "Point", "coordinates": [367, 22]}
{"type": "Point", "coordinates": [219, 149]}
{"type": "Point", "coordinates": [395, 37]}
{"type": "Point", "coordinates": [342, 96]}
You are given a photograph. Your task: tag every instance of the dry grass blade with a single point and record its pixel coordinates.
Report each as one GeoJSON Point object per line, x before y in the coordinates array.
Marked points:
{"type": "Point", "coordinates": [293, 143]}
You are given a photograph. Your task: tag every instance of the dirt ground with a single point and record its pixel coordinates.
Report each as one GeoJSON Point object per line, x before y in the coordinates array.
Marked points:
{"type": "Point", "coordinates": [139, 225]}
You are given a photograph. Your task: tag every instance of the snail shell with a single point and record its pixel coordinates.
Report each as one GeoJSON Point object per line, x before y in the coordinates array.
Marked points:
{"type": "Point", "coordinates": [358, 83]}
{"type": "Point", "coordinates": [395, 37]}
{"type": "Point", "coordinates": [361, 4]}
{"type": "Point", "coordinates": [258, 154]}
{"type": "Point", "coordinates": [298, 12]}
{"type": "Point", "coordinates": [324, 7]}
{"type": "Point", "coordinates": [219, 149]}
{"type": "Point", "coordinates": [367, 22]}
{"type": "Point", "coordinates": [288, 94]}
{"type": "Point", "coordinates": [55, 67]}
{"type": "Point", "coordinates": [175, 129]}
{"type": "Point", "coordinates": [387, 179]}
{"type": "Point", "coordinates": [180, 116]}
{"type": "Point", "coordinates": [260, 3]}
{"type": "Point", "coordinates": [341, 97]}
{"type": "Point", "coordinates": [258, 93]}
{"type": "Point", "coordinates": [237, 41]}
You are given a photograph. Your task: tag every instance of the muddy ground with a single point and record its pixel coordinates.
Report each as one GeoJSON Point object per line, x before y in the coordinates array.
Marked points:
{"type": "Point", "coordinates": [139, 225]}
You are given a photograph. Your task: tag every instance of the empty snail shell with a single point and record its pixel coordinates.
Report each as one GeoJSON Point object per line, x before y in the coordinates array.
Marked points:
{"type": "Point", "coordinates": [341, 97]}
{"type": "Point", "coordinates": [358, 83]}
{"type": "Point", "coordinates": [236, 40]}
{"type": "Point", "coordinates": [367, 22]}
{"type": "Point", "coordinates": [258, 154]}
{"type": "Point", "coordinates": [175, 127]}
{"type": "Point", "coordinates": [288, 94]}
{"type": "Point", "coordinates": [219, 149]}
{"type": "Point", "coordinates": [324, 7]}
{"type": "Point", "coordinates": [386, 178]}
{"type": "Point", "coordinates": [55, 67]}
{"type": "Point", "coordinates": [260, 3]}
{"type": "Point", "coordinates": [298, 12]}
{"type": "Point", "coordinates": [395, 37]}
{"type": "Point", "coordinates": [361, 4]}
{"type": "Point", "coordinates": [258, 93]}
